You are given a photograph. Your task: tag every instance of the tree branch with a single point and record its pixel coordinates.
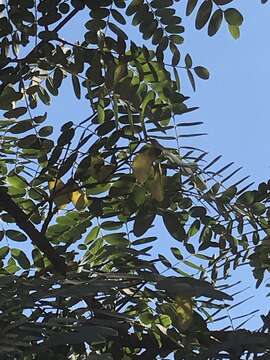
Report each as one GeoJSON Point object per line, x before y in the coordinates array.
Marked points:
{"type": "Point", "coordinates": [37, 238]}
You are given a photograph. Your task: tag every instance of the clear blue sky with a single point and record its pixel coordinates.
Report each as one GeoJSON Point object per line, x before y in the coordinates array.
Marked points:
{"type": "Point", "coordinates": [233, 104]}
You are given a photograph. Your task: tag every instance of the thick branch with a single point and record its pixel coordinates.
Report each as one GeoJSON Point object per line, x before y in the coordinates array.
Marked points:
{"type": "Point", "coordinates": [36, 237]}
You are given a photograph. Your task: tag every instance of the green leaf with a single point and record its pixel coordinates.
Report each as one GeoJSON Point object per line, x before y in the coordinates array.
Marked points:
{"type": "Point", "coordinates": [100, 13]}
{"type": "Point", "coordinates": [206, 235]}
{"type": "Point", "coordinates": [4, 251]}
{"type": "Point", "coordinates": [114, 28]}
{"type": "Point", "coordinates": [111, 225]}
{"type": "Point", "coordinates": [120, 72]}
{"type": "Point", "coordinates": [58, 77]}
{"type": "Point", "coordinates": [174, 226]}
{"type": "Point", "coordinates": [165, 12]}
{"type": "Point", "coordinates": [5, 27]}
{"type": "Point", "coordinates": [28, 142]}
{"type": "Point", "coordinates": [38, 258]}
{"type": "Point", "coordinates": [161, 3]}
{"type": "Point", "coordinates": [48, 35]}
{"type": "Point", "coordinates": [118, 16]}
{"type": "Point", "coordinates": [233, 17]}
{"type": "Point", "coordinates": [197, 211]}
{"type": "Point", "coordinates": [101, 110]}
{"type": "Point", "coordinates": [215, 22]}
{"type": "Point", "coordinates": [116, 239]}
{"type": "Point", "coordinates": [191, 4]}
{"type": "Point", "coordinates": [76, 86]}
{"type": "Point", "coordinates": [201, 72]}
{"type": "Point", "coordinates": [22, 126]}
{"type": "Point", "coordinates": [66, 136]}
{"type": "Point", "coordinates": [203, 14]}
{"type": "Point", "coordinates": [146, 318]}
{"type": "Point", "coordinates": [8, 96]}
{"type": "Point", "coordinates": [247, 198]}
{"type": "Point", "coordinates": [16, 181]}
{"type": "Point", "coordinates": [12, 266]}
{"type": "Point", "coordinates": [177, 253]}
{"type": "Point", "coordinates": [258, 208]}
{"type": "Point", "coordinates": [44, 96]}
{"type": "Point", "coordinates": [176, 55]}
{"type": "Point", "coordinates": [191, 79]}
{"type": "Point", "coordinates": [21, 258]}
{"type": "Point", "coordinates": [64, 8]}
{"type": "Point", "coordinates": [176, 39]}
{"type": "Point", "coordinates": [45, 131]}
{"type": "Point", "coordinates": [144, 240]}
{"type": "Point", "coordinates": [174, 29]}
{"type": "Point", "coordinates": [143, 221]}
{"type": "Point", "coordinates": [50, 86]}
{"type": "Point", "coordinates": [188, 61]}
{"type": "Point", "coordinates": [133, 7]}
{"type": "Point", "coordinates": [92, 235]}
{"type": "Point", "coordinates": [15, 113]}
{"type": "Point", "coordinates": [200, 183]}
{"type": "Point", "coordinates": [194, 228]}
{"type": "Point", "coordinates": [16, 235]}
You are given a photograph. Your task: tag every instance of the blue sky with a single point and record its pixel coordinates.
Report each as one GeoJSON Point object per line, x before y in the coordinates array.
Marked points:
{"type": "Point", "coordinates": [234, 103]}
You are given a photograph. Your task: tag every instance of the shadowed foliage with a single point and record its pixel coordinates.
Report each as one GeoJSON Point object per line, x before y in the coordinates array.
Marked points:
{"type": "Point", "coordinates": [86, 207]}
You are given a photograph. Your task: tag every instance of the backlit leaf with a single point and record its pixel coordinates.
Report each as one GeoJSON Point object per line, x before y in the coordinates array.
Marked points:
{"type": "Point", "coordinates": [59, 193]}
{"type": "Point", "coordinates": [235, 31]}
{"type": "Point", "coordinates": [184, 310]}
{"type": "Point", "coordinates": [79, 200]}
{"type": "Point", "coordinates": [142, 164]}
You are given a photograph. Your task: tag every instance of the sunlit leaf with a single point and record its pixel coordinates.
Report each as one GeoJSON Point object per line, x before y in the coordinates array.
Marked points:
{"type": "Point", "coordinates": [142, 164]}
{"type": "Point", "coordinates": [184, 310]}
{"type": "Point", "coordinates": [79, 199]}
{"type": "Point", "coordinates": [59, 193]}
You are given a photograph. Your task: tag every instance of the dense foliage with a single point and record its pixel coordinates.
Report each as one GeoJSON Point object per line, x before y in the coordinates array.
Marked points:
{"type": "Point", "coordinates": [82, 208]}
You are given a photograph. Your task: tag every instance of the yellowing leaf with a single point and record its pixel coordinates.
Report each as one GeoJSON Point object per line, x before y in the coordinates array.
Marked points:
{"type": "Point", "coordinates": [183, 308]}
{"type": "Point", "coordinates": [79, 199]}
{"type": "Point", "coordinates": [235, 31]}
{"type": "Point", "coordinates": [157, 185]}
{"type": "Point", "coordinates": [143, 164]}
{"type": "Point", "coordinates": [60, 198]}
{"type": "Point", "coordinates": [55, 185]}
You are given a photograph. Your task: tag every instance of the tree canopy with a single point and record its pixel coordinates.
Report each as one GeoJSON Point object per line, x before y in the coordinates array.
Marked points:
{"type": "Point", "coordinates": [83, 208]}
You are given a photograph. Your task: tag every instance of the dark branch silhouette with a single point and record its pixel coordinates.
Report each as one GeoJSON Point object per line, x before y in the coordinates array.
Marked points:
{"type": "Point", "coordinates": [37, 238]}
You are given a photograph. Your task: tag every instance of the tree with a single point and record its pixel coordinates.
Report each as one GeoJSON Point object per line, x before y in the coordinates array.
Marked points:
{"type": "Point", "coordinates": [79, 278]}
